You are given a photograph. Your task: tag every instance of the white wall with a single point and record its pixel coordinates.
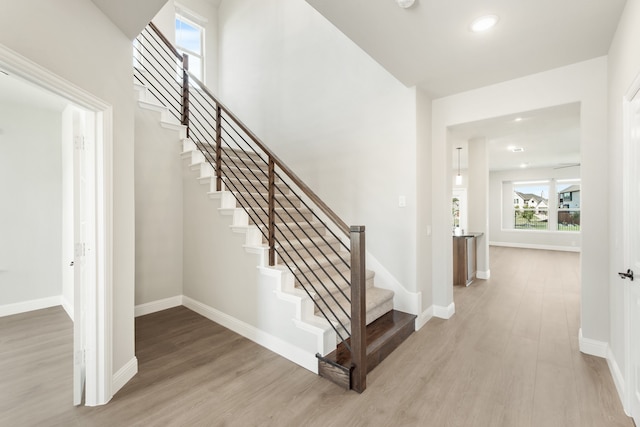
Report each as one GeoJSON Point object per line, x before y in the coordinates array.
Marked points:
{"type": "Point", "coordinates": [158, 185]}
{"type": "Point", "coordinates": [584, 82]}
{"type": "Point", "coordinates": [565, 240]}
{"type": "Point", "coordinates": [73, 39]}
{"type": "Point", "coordinates": [478, 201]}
{"type": "Point", "coordinates": [624, 66]}
{"type": "Point", "coordinates": [336, 117]}
{"type": "Point", "coordinates": [31, 194]}
{"type": "Point", "coordinates": [424, 221]}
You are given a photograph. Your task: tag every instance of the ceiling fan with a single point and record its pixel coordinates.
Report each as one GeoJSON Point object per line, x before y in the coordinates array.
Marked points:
{"type": "Point", "coordinates": [566, 165]}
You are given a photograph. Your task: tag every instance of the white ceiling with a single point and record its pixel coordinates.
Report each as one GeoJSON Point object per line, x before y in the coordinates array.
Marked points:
{"type": "Point", "coordinates": [130, 16]}
{"type": "Point", "coordinates": [16, 91]}
{"type": "Point", "coordinates": [550, 138]}
{"type": "Point", "coordinates": [430, 44]}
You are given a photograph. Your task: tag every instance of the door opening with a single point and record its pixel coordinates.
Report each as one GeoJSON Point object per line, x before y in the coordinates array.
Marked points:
{"type": "Point", "coordinates": [92, 223]}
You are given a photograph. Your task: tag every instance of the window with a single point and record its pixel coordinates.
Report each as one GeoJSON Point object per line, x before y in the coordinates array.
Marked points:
{"type": "Point", "coordinates": [190, 40]}
{"type": "Point", "coordinates": [531, 205]}
{"type": "Point", "coordinates": [568, 205]}
{"type": "Point", "coordinates": [544, 205]}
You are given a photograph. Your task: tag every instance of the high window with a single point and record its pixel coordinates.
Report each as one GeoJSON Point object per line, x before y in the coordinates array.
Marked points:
{"type": "Point", "coordinates": [190, 40]}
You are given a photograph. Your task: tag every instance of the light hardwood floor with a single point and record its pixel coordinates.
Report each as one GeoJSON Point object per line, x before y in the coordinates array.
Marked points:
{"type": "Point", "coordinates": [508, 357]}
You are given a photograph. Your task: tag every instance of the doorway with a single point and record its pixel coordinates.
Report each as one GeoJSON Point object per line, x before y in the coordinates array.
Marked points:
{"type": "Point", "coordinates": [94, 251]}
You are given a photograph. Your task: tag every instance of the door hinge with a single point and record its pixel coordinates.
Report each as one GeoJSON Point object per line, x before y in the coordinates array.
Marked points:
{"type": "Point", "coordinates": [80, 249]}
{"type": "Point", "coordinates": [78, 142]}
{"type": "Point", "coordinates": [79, 357]}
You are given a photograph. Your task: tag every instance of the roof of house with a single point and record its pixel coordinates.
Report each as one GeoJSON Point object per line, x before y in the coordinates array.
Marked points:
{"type": "Point", "coordinates": [529, 196]}
{"type": "Point", "coordinates": [573, 189]}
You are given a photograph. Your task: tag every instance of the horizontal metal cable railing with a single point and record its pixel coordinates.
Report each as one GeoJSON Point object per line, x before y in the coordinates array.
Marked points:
{"type": "Point", "coordinates": [300, 230]}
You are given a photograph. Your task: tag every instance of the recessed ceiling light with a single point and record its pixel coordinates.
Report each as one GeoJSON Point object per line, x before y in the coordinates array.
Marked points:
{"type": "Point", "coordinates": [517, 149]}
{"type": "Point", "coordinates": [484, 23]}
{"type": "Point", "coordinates": [524, 165]}
{"type": "Point", "coordinates": [405, 3]}
{"type": "Point", "coordinates": [518, 119]}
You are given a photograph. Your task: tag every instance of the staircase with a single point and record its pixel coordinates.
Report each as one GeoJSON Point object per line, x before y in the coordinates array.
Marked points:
{"type": "Point", "coordinates": [320, 257]}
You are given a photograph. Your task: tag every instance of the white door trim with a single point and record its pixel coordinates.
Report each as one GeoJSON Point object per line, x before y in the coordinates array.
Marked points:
{"type": "Point", "coordinates": [99, 316]}
{"type": "Point", "coordinates": [630, 95]}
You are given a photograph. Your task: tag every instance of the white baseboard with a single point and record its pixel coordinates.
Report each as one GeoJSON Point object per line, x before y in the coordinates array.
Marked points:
{"type": "Point", "coordinates": [484, 275]}
{"type": "Point", "coordinates": [424, 317]}
{"type": "Point", "coordinates": [68, 307]}
{"type": "Point", "coordinates": [592, 347]}
{"type": "Point", "coordinates": [31, 305]}
{"type": "Point", "coordinates": [124, 374]}
{"type": "Point", "coordinates": [444, 312]}
{"type": "Point", "coordinates": [534, 246]}
{"type": "Point", "coordinates": [618, 379]}
{"type": "Point", "coordinates": [159, 305]}
{"type": "Point", "coordinates": [275, 344]}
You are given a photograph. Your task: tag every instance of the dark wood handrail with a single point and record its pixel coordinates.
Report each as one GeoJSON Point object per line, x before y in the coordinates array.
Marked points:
{"type": "Point", "coordinates": [297, 181]}
{"type": "Point", "coordinates": [165, 40]}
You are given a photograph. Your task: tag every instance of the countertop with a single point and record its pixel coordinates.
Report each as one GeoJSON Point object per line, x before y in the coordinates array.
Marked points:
{"type": "Point", "coordinates": [470, 234]}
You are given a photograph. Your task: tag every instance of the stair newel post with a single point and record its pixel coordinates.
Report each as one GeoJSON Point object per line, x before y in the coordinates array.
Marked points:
{"type": "Point", "coordinates": [272, 215]}
{"type": "Point", "coordinates": [218, 148]}
{"type": "Point", "coordinates": [358, 309]}
{"type": "Point", "coordinates": [185, 92]}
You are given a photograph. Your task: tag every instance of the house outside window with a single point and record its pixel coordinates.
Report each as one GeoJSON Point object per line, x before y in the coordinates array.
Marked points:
{"type": "Point", "coordinates": [531, 207]}
{"type": "Point", "coordinates": [569, 206]}
{"type": "Point", "coordinates": [542, 205]}
{"type": "Point", "coordinates": [190, 40]}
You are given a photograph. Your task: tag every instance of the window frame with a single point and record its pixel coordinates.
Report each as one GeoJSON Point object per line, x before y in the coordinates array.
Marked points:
{"type": "Point", "coordinates": [186, 17]}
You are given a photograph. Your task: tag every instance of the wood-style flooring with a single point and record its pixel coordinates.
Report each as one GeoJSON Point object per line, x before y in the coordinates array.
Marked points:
{"type": "Point", "coordinates": [508, 357]}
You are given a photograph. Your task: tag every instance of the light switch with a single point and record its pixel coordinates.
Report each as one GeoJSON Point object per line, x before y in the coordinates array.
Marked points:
{"type": "Point", "coordinates": [402, 201]}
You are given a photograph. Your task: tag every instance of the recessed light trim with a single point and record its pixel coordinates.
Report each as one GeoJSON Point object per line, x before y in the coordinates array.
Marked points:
{"type": "Point", "coordinates": [484, 23]}
{"type": "Point", "coordinates": [405, 4]}
{"type": "Point", "coordinates": [517, 149]}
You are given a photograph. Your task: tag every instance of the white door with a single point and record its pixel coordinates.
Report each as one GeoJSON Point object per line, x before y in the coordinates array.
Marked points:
{"type": "Point", "coordinates": [79, 229]}
{"type": "Point", "coordinates": [84, 244]}
{"type": "Point", "coordinates": [632, 251]}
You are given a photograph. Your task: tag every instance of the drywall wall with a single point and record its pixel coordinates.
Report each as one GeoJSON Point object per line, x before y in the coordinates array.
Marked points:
{"type": "Point", "coordinates": [75, 40]}
{"type": "Point", "coordinates": [584, 82]}
{"type": "Point", "coordinates": [501, 236]}
{"type": "Point", "coordinates": [336, 117]}
{"type": "Point", "coordinates": [624, 66]}
{"type": "Point", "coordinates": [478, 201]}
{"type": "Point", "coordinates": [31, 194]}
{"type": "Point", "coordinates": [158, 186]}
{"type": "Point", "coordinates": [224, 278]}
{"type": "Point", "coordinates": [424, 221]}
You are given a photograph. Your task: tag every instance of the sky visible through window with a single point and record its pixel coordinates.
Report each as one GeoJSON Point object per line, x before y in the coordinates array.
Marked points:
{"type": "Point", "coordinates": [188, 37]}
{"type": "Point", "coordinates": [539, 190]}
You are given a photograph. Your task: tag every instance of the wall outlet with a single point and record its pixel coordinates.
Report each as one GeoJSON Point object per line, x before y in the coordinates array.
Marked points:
{"type": "Point", "coordinates": [402, 201]}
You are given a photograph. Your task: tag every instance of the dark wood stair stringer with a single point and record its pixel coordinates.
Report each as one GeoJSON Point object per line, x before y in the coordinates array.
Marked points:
{"type": "Point", "coordinates": [383, 336]}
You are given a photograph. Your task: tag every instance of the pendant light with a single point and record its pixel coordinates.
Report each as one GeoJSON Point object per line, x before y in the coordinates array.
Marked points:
{"type": "Point", "coordinates": [459, 177]}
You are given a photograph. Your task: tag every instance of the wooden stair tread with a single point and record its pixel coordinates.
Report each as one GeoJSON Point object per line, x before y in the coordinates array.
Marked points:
{"type": "Point", "coordinates": [383, 336]}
